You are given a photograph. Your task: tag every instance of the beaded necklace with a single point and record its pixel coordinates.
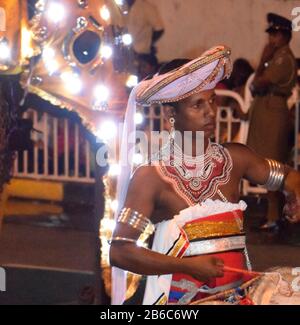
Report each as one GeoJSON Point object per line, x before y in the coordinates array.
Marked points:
{"type": "Point", "coordinates": [195, 179]}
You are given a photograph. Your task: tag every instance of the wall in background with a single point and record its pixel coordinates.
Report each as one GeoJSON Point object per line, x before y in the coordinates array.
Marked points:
{"type": "Point", "coordinates": [193, 26]}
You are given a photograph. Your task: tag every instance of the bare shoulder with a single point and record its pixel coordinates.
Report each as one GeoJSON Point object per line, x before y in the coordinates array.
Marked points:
{"type": "Point", "coordinates": [248, 163]}
{"type": "Point", "coordinates": [146, 177]}
{"type": "Point", "coordinates": [145, 172]}
{"type": "Point", "coordinates": [235, 147]}
{"type": "Point", "coordinates": [144, 190]}
{"type": "Point", "coordinates": [238, 151]}
{"type": "Point", "coordinates": [241, 151]}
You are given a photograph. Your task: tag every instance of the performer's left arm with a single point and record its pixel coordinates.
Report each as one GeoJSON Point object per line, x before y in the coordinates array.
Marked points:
{"type": "Point", "coordinates": [292, 193]}
{"type": "Point", "coordinates": [272, 174]}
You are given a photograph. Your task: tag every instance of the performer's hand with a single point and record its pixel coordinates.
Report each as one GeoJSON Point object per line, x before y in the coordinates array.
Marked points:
{"type": "Point", "coordinates": [203, 268]}
{"type": "Point", "coordinates": [292, 208]}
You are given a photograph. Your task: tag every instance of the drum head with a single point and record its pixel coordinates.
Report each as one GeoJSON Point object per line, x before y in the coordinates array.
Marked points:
{"type": "Point", "coordinates": [277, 287]}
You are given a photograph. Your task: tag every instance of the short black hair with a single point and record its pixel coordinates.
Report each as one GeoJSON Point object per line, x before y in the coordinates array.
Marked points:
{"type": "Point", "coordinates": [149, 58]}
{"type": "Point", "coordinates": [172, 65]}
{"type": "Point", "coordinates": [241, 71]}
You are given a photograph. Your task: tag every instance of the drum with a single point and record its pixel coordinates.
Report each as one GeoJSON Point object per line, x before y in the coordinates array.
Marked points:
{"type": "Point", "coordinates": [277, 286]}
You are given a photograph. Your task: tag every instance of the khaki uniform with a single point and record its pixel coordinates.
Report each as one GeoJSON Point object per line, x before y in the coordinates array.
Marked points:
{"type": "Point", "coordinates": [269, 126]}
{"type": "Point", "coordinates": [268, 131]}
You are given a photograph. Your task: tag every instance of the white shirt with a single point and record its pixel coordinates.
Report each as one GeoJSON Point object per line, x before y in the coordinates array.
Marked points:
{"type": "Point", "coordinates": [143, 19]}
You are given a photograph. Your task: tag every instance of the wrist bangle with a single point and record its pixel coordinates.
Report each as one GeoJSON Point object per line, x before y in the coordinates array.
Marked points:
{"type": "Point", "coordinates": [122, 239]}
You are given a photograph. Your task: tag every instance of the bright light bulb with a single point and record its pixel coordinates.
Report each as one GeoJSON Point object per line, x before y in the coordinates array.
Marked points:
{"type": "Point", "coordinates": [114, 170]}
{"type": "Point", "coordinates": [56, 12]}
{"type": "Point", "coordinates": [108, 224]}
{"type": "Point", "coordinates": [104, 13]}
{"type": "Point", "coordinates": [52, 66]}
{"type": "Point", "coordinates": [138, 118]}
{"type": "Point", "coordinates": [101, 93]}
{"type": "Point", "coordinates": [26, 37]}
{"type": "Point", "coordinates": [119, 2]}
{"type": "Point", "coordinates": [132, 81]}
{"type": "Point", "coordinates": [72, 82]}
{"type": "Point", "coordinates": [50, 63]}
{"type": "Point", "coordinates": [107, 130]}
{"type": "Point", "coordinates": [137, 159]}
{"type": "Point", "coordinates": [48, 53]}
{"type": "Point", "coordinates": [4, 51]}
{"type": "Point", "coordinates": [127, 39]}
{"type": "Point", "coordinates": [114, 205]}
{"type": "Point", "coordinates": [106, 52]}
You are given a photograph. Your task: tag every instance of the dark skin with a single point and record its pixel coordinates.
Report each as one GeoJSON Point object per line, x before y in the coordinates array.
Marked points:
{"type": "Point", "coordinates": [158, 200]}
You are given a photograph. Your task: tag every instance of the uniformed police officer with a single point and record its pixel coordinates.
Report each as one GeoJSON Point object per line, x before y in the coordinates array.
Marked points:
{"type": "Point", "coordinates": [271, 88]}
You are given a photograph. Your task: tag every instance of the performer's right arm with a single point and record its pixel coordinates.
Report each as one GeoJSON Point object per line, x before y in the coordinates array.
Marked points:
{"type": "Point", "coordinates": [144, 191]}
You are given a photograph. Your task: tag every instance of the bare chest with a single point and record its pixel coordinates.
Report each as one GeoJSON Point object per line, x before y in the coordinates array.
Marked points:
{"type": "Point", "coordinates": [170, 202]}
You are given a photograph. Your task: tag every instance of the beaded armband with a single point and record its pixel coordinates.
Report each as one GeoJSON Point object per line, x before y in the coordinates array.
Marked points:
{"type": "Point", "coordinates": [276, 177]}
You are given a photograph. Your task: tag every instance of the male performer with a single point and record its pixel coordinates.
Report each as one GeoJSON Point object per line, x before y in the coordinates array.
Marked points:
{"type": "Point", "coordinates": [193, 200]}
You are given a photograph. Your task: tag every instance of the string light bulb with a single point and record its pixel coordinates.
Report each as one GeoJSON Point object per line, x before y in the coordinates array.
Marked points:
{"type": "Point", "coordinates": [101, 93]}
{"type": "Point", "coordinates": [106, 52]}
{"type": "Point", "coordinates": [114, 170]}
{"type": "Point", "coordinates": [105, 13]}
{"type": "Point", "coordinates": [119, 2]}
{"type": "Point", "coordinates": [138, 118]}
{"type": "Point", "coordinates": [127, 39]}
{"type": "Point", "coordinates": [107, 130]}
{"type": "Point", "coordinates": [55, 12]}
{"type": "Point", "coordinates": [4, 51]}
{"type": "Point", "coordinates": [132, 81]}
{"type": "Point", "coordinates": [72, 82]}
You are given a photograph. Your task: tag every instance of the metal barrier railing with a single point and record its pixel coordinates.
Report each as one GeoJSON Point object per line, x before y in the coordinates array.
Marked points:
{"type": "Point", "coordinates": [225, 117]}
{"type": "Point", "coordinates": [61, 151]}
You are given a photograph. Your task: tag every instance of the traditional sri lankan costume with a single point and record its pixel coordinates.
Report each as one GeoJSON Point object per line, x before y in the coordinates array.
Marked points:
{"type": "Point", "coordinates": [208, 226]}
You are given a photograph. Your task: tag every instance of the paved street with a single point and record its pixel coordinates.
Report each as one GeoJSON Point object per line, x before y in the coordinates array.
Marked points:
{"type": "Point", "coordinates": [51, 258]}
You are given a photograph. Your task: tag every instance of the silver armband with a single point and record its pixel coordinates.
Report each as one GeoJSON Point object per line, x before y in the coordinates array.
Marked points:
{"type": "Point", "coordinates": [122, 240]}
{"type": "Point", "coordinates": [276, 177]}
{"type": "Point", "coordinates": [136, 220]}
